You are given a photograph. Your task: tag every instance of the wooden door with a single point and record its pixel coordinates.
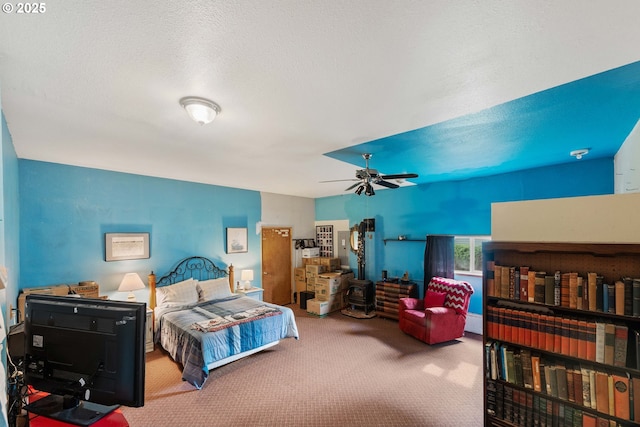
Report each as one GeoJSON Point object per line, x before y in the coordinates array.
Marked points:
{"type": "Point", "coordinates": [276, 264]}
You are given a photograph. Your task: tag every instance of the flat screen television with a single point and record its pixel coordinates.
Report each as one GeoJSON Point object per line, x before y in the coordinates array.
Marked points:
{"type": "Point", "coordinates": [88, 354]}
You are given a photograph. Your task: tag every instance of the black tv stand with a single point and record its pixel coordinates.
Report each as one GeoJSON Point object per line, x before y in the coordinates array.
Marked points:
{"type": "Point", "coordinates": [69, 409]}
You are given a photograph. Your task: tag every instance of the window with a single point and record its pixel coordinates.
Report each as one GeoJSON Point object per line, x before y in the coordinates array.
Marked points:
{"type": "Point", "coordinates": [468, 254]}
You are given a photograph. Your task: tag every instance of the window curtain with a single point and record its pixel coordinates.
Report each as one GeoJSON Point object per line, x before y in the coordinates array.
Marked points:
{"type": "Point", "coordinates": [438, 258]}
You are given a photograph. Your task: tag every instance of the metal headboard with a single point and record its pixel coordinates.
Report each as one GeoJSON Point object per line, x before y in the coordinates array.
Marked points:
{"type": "Point", "coordinates": [196, 267]}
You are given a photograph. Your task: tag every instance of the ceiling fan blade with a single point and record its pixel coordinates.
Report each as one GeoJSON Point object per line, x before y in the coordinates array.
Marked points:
{"type": "Point", "coordinates": [340, 180]}
{"type": "Point", "coordinates": [386, 184]}
{"type": "Point", "coordinates": [353, 186]}
{"type": "Point", "coordinates": [400, 176]}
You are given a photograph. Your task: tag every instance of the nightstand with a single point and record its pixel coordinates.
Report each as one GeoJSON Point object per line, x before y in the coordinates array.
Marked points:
{"type": "Point", "coordinates": [148, 343]}
{"type": "Point", "coordinates": [255, 293]}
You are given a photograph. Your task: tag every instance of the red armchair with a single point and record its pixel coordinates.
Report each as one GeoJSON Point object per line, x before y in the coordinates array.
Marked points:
{"type": "Point", "coordinates": [439, 317]}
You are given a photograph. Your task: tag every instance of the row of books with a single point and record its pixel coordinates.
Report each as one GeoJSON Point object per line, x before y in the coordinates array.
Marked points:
{"type": "Point", "coordinates": [592, 388]}
{"type": "Point", "coordinates": [582, 384]}
{"type": "Point", "coordinates": [569, 290]}
{"type": "Point", "coordinates": [526, 409]}
{"type": "Point", "coordinates": [591, 340]}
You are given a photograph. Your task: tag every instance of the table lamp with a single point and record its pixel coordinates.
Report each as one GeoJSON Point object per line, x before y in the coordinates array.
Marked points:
{"type": "Point", "coordinates": [131, 282]}
{"type": "Point", "coordinates": [246, 276]}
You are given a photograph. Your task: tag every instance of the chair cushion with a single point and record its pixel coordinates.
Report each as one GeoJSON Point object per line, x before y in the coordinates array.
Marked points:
{"type": "Point", "coordinates": [457, 292]}
{"type": "Point", "coordinates": [434, 299]}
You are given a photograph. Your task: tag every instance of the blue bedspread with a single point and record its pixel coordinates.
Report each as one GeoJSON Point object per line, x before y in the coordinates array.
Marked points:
{"type": "Point", "coordinates": [195, 350]}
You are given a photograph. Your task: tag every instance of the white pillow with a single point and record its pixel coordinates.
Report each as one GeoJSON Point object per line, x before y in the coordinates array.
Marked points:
{"type": "Point", "coordinates": [214, 289]}
{"type": "Point", "coordinates": [180, 293]}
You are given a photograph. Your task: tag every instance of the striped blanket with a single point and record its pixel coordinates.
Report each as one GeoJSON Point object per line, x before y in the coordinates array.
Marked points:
{"type": "Point", "coordinates": [223, 320]}
{"type": "Point", "coordinates": [196, 349]}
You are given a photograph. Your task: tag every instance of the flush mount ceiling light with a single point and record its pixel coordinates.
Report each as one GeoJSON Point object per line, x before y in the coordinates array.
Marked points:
{"type": "Point", "coordinates": [579, 153]}
{"type": "Point", "coordinates": [200, 110]}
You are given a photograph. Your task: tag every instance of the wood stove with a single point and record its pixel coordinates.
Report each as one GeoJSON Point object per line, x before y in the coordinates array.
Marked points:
{"type": "Point", "coordinates": [361, 293]}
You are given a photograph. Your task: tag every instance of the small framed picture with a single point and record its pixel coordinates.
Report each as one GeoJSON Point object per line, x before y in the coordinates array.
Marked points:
{"type": "Point", "coordinates": [121, 246]}
{"type": "Point", "coordinates": [236, 240]}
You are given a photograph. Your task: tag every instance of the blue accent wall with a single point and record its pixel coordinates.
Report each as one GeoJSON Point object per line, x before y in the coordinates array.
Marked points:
{"type": "Point", "coordinates": [453, 207]}
{"type": "Point", "coordinates": [66, 210]}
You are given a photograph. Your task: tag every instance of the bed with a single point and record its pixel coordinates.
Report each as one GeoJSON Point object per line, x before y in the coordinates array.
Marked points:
{"type": "Point", "coordinates": [202, 324]}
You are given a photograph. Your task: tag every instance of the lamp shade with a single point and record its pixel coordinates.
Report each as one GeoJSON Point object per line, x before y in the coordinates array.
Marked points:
{"type": "Point", "coordinates": [246, 275]}
{"type": "Point", "coordinates": [131, 282]}
{"type": "Point", "coordinates": [200, 110]}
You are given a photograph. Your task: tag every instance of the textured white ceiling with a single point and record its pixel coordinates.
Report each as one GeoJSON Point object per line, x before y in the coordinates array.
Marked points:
{"type": "Point", "coordinates": [97, 84]}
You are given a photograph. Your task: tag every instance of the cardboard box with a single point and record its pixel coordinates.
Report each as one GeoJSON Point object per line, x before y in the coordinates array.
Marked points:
{"type": "Point", "coordinates": [300, 273]}
{"type": "Point", "coordinates": [89, 291]}
{"type": "Point", "coordinates": [311, 284]}
{"type": "Point", "coordinates": [311, 261]}
{"type": "Point", "coordinates": [321, 307]}
{"type": "Point", "coordinates": [338, 301]}
{"type": "Point", "coordinates": [301, 285]}
{"type": "Point", "coordinates": [328, 284]}
{"type": "Point", "coordinates": [315, 270]}
{"type": "Point", "coordinates": [310, 252]}
{"type": "Point", "coordinates": [343, 278]}
{"type": "Point", "coordinates": [317, 307]}
{"type": "Point", "coordinates": [330, 263]}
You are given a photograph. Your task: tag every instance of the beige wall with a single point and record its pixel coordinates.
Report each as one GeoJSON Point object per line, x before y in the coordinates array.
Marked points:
{"type": "Point", "coordinates": [289, 211]}
{"type": "Point", "coordinates": [603, 219]}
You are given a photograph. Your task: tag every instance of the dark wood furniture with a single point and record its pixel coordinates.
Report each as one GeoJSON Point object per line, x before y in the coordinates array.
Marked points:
{"type": "Point", "coordinates": [361, 293]}
{"type": "Point", "coordinates": [526, 330]}
{"type": "Point", "coordinates": [388, 294]}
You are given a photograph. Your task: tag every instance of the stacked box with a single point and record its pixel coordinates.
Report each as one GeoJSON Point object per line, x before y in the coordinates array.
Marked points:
{"type": "Point", "coordinates": [311, 284]}
{"type": "Point", "coordinates": [323, 307]}
{"type": "Point", "coordinates": [87, 291]}
{"type": "Point", "coordinates": [344, 277]}
{"type": "Point", "coordinates": [317, 307]}
{"type": "Point", "coordinates": [328, 284]}
{"type": "Point", "coordinates": [337, 301]}
{"type": "Point", "coordinates": [300, 285]}
{"type": "Point", "coordinates": [300, 279]}
{"type": "Point", "coordinates": [300, 273]}
{"type": "Point", "coordinates": [313, 271]}
{"type": "Point", "coordinates": [311, 261]}
{"type": "Point", "coordinates": [331, 263]}
{"type": "Point", "coordinates": [310, 252]}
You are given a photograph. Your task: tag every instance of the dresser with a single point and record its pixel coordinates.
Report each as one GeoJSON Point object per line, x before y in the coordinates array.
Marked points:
{"type": "Point", "coordinates": [388, 294]}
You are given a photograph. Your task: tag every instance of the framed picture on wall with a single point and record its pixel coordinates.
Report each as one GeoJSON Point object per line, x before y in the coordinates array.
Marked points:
{"type": "Point", "coordinates": [236, 240]}
{"type": "Point", "coordinates": [121, 246]}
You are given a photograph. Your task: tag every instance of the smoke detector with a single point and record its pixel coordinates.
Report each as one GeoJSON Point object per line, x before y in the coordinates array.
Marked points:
{"type": "Point", "coordinates": [579, 153]}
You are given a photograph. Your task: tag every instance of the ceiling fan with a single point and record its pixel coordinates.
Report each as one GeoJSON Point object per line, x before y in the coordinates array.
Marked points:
{"type": "Point", "coordinates": [367, 176]}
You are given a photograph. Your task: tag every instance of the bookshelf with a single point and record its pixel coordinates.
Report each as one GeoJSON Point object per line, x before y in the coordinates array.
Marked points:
{"type": "Point", "coordinates": [555, 352]}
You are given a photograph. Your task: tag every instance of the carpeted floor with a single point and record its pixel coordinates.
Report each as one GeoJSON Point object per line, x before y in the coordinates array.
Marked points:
{"type": "Point", "coordinates": [341, 372]}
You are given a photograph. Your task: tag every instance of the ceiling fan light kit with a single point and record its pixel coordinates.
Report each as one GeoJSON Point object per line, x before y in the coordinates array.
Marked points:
{"type": "Point", "coordinates": [367, 176]}
{"type": "Point", "coordinates": [579, 153]}
{"type": "Point", "coordinates": [200, 110]}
